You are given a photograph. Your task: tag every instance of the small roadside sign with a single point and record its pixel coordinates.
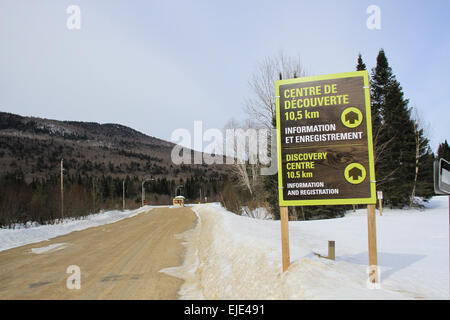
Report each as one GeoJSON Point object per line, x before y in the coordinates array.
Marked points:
{"type": "Point", "coordinates": [441, 176]}
{"type": "Point", "coordinates": [380, 201]}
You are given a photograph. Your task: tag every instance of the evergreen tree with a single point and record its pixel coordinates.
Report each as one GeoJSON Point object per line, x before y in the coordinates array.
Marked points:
{"type": "Point", "coordinates": [425, 179]}
{"type": "Point", "coordinates": [361, 65]}
{"type": "Point", "coordinates": [380, 80]}
{"type": "Point", "coordinates": [444, 151]}
{"type": "Point", "coordinates": [394, 135]}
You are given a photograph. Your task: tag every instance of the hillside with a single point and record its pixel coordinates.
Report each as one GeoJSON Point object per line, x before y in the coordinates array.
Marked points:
{"type": "Point", "coordinates": [35, 146]}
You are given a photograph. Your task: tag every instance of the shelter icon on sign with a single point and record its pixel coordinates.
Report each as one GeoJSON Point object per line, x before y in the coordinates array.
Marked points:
{"type": "Point", "coordinates": [355, 173]}
{"type": "Point", "coordinates": [351, 117]}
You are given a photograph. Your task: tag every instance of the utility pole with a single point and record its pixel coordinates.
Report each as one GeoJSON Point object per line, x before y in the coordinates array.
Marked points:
{"type": "Point", "coordinates": [143, 193]}
{"type": "Point", "coordinates": [123, 195]}
{"type": "Point", "coordinates": [62, 191]}
{"type": "Point", "coordinates": [93, 194]}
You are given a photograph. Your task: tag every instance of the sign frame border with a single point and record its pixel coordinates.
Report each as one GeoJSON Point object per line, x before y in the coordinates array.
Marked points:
{"type": "Point", "coordinates": [370, 200]}
{"type": "Point", "coordinates": [438, 173]}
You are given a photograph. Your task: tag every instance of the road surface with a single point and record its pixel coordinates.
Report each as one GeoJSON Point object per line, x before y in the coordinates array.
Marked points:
{"type": "Point", "coordinates": [121, 260]}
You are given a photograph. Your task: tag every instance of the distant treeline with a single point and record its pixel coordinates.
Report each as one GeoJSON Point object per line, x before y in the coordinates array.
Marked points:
{"type": "Point", "coordinates": [40, 200]}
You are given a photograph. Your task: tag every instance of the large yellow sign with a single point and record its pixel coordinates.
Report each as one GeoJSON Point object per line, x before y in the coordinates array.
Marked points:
{"type": "Point", "coordinates": [325, 150]}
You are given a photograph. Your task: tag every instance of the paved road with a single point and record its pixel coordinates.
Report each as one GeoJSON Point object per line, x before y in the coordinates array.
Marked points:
{"type": "Point", "coordinates": [117, 261]}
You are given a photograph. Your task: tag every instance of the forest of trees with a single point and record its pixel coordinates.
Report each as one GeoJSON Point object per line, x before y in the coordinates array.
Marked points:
{"type": "Point", "coordinates": [40, 200]}
{"type": "Point", "coordinates": [403, 156]}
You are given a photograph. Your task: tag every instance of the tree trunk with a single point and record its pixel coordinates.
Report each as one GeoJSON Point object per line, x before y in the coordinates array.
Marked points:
{"type": "Point", "coordinates": [413, 193]}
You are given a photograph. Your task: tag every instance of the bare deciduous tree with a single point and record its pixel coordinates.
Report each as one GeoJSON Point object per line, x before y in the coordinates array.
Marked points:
{"type": "Point", "coordinates": [261, 109]}
{"type": "Point", "coordinates": [379, 152]}
{"type": "Point", "coordinates": [260, 106]}
{"type": "Point", "coordinates": [421, 145]}
{"type": "Point", "coordinates": [246, 165]}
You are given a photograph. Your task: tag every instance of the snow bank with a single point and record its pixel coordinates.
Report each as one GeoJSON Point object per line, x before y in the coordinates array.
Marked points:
{"type": "Point", "coordinates": [234, 257]}
{"type": "Point", "coordinates": [11, 238]}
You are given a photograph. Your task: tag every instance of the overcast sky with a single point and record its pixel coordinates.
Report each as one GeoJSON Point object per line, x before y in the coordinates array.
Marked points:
{"type": "Point", "coordinates": [160, 65]}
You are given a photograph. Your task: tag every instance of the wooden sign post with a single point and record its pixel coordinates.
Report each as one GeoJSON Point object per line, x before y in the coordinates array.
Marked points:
{"type": "Point", "coordinates": [325, 148]}
{"type": "Point", "coordinates": [372, 236]}
{"type": "Point", "coordinates": [285, 256]}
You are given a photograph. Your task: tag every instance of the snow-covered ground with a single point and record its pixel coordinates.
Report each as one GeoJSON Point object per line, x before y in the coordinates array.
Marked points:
{"type": "Point", "coordinates": [11, 238]}
{"type": "Point", "coordinates": [236, 257]}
